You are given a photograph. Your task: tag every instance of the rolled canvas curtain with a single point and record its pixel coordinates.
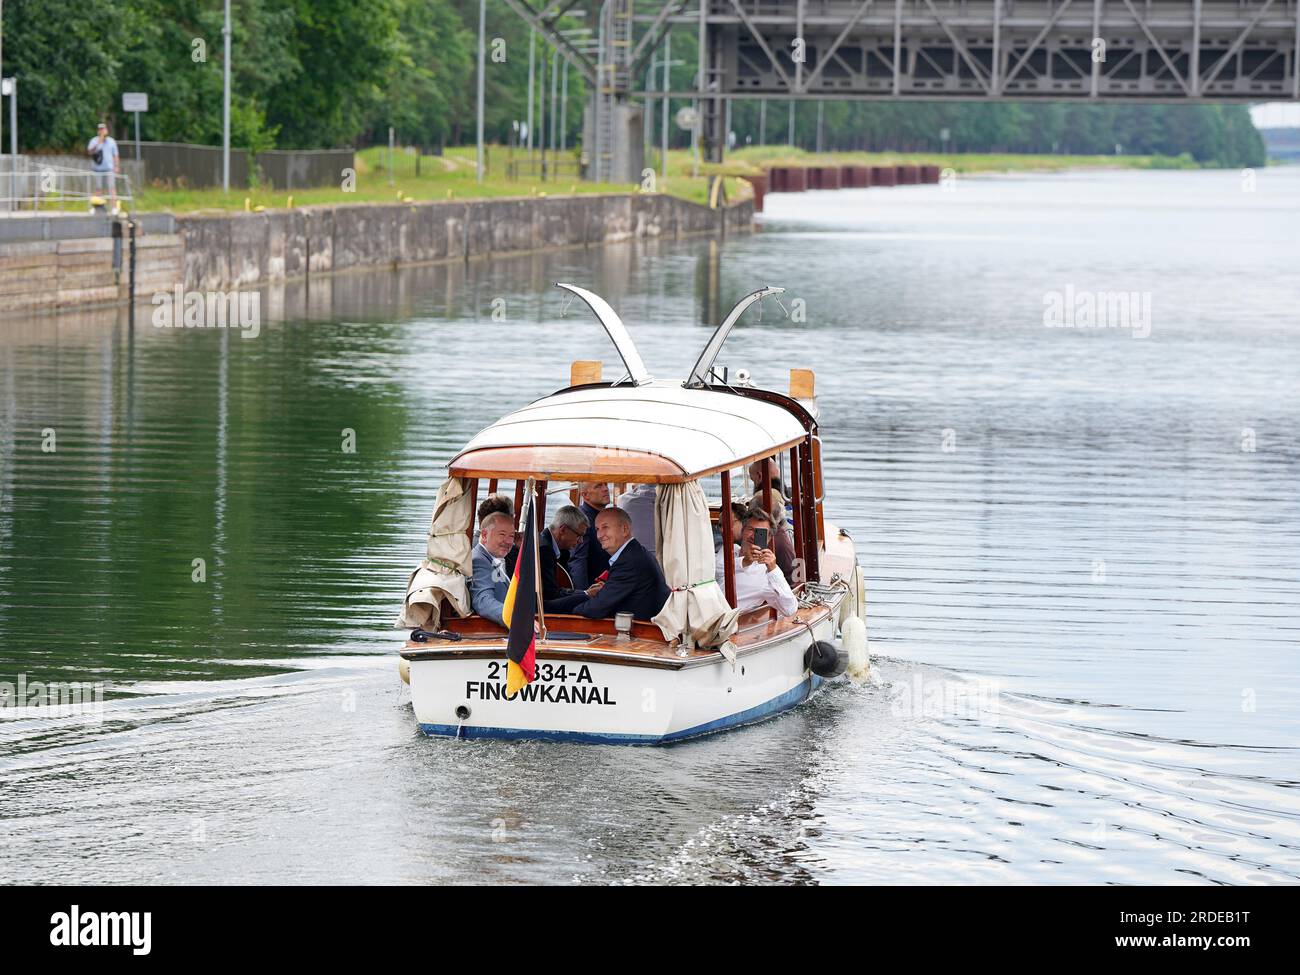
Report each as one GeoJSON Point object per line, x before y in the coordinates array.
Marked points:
{"type": "Point", "coordinates": [696, 610]}
{"type": "Point", "coordinates": [442, 574]}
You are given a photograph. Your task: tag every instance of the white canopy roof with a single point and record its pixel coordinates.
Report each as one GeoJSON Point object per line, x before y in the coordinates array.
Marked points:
{"type": "Point", "coordinates": [697, 430]}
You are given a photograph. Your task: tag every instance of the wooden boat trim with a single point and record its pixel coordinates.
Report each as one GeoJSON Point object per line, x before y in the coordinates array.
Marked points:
{"type": "Point", "coordinates": [566, 462]}
{"type": "Point", "coordinates": [687, 432]}
{"type": "Point", "coordinates": [748, 641]}
{"type": "Point", "coordinates": [573, 462]}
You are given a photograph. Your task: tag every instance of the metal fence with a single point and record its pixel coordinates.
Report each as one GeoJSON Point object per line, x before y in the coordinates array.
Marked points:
{"type": "Point", "coordinates": [78, 161]}
{"type": "Point", "coordinates": [52, 182]}
{"type": "Point", "coordinates": [35, 183]}
{"type": "Point", "coordinates": [544, 168]}
{"type": "Point", "coordinates": [291, 169]}
{"type": "Point", "coordinates": [185, 166]}
{"type": "Point", "coordinates": [182, 165]}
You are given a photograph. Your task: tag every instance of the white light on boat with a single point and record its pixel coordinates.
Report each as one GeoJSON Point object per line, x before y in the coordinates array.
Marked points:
{"type": "Point", "coordinates": [623, 624]}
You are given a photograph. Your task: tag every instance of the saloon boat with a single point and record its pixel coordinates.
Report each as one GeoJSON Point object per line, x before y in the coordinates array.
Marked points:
{"type": "Point", "coordinates": [699, 666]}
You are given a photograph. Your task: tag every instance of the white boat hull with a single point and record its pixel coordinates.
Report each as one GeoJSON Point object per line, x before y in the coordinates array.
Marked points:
{"type": "Point", "coordinates": [612, 702]}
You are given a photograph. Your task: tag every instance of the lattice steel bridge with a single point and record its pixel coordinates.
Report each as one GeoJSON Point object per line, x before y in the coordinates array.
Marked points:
{"type": "Point", "coordinates": [1142, 50]}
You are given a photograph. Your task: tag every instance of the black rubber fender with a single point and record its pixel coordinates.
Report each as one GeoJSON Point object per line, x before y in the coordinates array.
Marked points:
{"type": "Point", "coordinates": [826, 660]}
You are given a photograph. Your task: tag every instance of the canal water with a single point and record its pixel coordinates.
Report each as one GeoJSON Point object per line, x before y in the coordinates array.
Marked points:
{"type": "Point", "coordinates": [1080, 545]}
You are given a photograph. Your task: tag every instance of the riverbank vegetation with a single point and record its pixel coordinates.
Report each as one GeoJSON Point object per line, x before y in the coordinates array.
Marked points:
{"type": "Point", "coordinates": [452, 176]}
{"type": "Point", "coordinates": [756, 157]}
{"type": "Point", "coordinates": [1209, 135]}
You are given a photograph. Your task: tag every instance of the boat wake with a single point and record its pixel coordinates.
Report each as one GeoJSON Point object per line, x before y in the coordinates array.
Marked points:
{"type": "Point", "coordinates": [1035, 790]}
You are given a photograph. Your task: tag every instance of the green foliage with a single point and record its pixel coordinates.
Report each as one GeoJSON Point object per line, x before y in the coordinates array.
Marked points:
{"type": "Point", "coordinates": [423, 89]}
{"type": "Point", "coordinates": [176, 56]}
{"type": "Point", "coordinates": [506, 82]}
{"type": "Point", "coordinates": [65, 56]}
{"type": "Point", "coordinates": [1183, 161]}
{"type": "Point", "coordinates": [1213, 135]}
{"type": "Point", "coordinates": [343, 50]}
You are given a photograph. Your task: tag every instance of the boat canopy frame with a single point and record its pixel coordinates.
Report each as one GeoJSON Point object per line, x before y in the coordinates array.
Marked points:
{"type": "Point", "coordinates": [801, 454]}
{"type": "Point", "coordinates": [507, 455]}
{"type": "Point", "coordinates": [587, 462]}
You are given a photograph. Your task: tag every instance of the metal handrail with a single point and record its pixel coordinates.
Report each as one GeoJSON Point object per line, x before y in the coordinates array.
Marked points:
{"type": "Point", "coordinates": [37, 187]}
{"type": "Point", "coordinates": [818, 499]}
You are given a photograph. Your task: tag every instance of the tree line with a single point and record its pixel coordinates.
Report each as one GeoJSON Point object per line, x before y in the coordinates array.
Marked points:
{"type": "Point", "coordinates": [1214, 135]}
{"type": "Point", "coordinates": [305, 73]}
{"type": "Point", "coordinates": [326, 73]}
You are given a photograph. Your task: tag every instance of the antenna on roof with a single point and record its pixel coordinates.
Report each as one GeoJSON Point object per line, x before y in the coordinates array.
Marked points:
{"type": "Point", "coordinates": [704, 364]}
{"type": "Point", "coordinates": [617, 332]}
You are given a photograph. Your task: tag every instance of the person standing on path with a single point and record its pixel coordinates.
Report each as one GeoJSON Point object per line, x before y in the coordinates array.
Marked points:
{"type": "Point", "coordinates": [105, 163]}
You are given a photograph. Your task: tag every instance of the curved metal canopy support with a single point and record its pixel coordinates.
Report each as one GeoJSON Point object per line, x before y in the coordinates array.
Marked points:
{"type": "Point", "coordinates": [704, 364]}
{"type": "Point", "coordinates": [617, 332]}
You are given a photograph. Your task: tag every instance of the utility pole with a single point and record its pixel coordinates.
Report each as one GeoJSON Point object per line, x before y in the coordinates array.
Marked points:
{"type": "Point", "coordinates": [597, 168]}
{"type": "Point", "coordinates": [11, 89]}
{"type": "Point", "coordinates": [648, 116]}
{"type": "Point", "coordinates": [2, 64]}
{"type": "Point", "coordinates": [482, 31]}
{"type": "Point", "coordinates": [555, 70]}
{"type": "Point", "coordinates": [668, 62]}
{"type": "Point", "coordinates": [564, 104]}
{"type": "Point", "coordinates": [541, 114]}
{"type": "Point", "coordinates": [532, 54]}
{"type": "Point", "coordinates": [701, 81]}
{"type": "Point", "coordinates": [225, 104]}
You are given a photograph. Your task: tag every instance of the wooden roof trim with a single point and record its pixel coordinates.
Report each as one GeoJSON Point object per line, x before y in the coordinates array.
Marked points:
{"type": "Point", "coordinates": [652, 468]}
{"type": "Point", "coordinates": [567, 462]}
{"type": "Point", "coordinates": [746, 461]}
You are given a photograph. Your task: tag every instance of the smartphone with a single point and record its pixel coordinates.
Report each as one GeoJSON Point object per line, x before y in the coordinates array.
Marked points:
{"type": "Point", "coordinates": [760, 538]}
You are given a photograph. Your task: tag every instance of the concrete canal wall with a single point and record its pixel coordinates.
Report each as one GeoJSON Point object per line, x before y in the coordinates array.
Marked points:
{"type": "Point", "coordinates": [64, 262]}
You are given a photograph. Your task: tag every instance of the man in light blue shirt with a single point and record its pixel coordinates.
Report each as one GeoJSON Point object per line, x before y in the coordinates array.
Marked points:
{"type": "Point", "coordinates": [105, 162]}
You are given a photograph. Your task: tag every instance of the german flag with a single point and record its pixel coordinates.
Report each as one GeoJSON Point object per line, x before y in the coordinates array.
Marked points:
{"type": "Point", "coordinates": [521, 608]}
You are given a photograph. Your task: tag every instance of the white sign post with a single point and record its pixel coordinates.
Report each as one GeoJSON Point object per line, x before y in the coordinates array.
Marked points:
{"type": "Point", "coordinates": [9, 87]}
{"type": "Point", "coordinates": [136, 102]}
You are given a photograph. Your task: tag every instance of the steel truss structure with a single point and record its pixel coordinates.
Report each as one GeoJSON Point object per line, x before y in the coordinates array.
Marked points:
{"type": "Point", "coordinates": [1148, 50]}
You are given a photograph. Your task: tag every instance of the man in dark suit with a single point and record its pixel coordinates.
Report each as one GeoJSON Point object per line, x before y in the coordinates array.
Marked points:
{"type": "Point", "coordinates": [635, 583]}
{"type": "Point", "coordinates": [555, 548]}
{"type": "Point", "coordinates": [589, 559]}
